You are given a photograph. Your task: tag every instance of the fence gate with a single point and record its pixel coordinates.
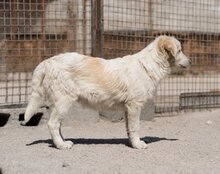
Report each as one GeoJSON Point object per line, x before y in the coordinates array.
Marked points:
{"type": "Point", "coordinates": [31, 31]}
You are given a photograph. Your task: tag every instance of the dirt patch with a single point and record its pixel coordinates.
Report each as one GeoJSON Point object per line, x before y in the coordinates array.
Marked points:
{"type": "Point", "coordinates": [188, 143]}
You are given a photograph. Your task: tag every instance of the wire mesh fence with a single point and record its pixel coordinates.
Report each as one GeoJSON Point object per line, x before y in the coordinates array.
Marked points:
{"type": "Point", "coordinates": [31, 31]}
{"type": "Point", "coordinates": [130, 25]}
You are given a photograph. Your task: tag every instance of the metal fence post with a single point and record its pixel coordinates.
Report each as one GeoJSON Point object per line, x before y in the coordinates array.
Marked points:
{"type": "Point", "coordinates": [97, 27]}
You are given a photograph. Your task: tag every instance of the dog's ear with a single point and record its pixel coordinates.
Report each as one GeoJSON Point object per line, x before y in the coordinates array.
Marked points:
{"type": "Point", "coordinates": [166, 45]}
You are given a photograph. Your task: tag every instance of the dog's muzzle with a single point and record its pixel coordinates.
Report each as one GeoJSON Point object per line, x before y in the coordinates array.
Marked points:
{"type": "Point", "coordinates": [184, 62]}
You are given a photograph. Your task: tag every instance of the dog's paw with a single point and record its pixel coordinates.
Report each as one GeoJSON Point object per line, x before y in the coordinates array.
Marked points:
{"type": "Point", "coordinates": [139, 145]}
{"type": "Point", "coordinates": [65, 145]}
{"type": "Point", "coordinates": [23, 123]}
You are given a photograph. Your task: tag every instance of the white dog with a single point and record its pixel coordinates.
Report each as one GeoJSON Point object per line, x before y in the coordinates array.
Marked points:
{"type": "Point", "coordinates": [124, 83]}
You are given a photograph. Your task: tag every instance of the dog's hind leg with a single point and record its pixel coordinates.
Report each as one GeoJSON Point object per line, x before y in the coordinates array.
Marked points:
{"type": "Point", "coordinates": [133, 125]}
{"type": "Point", "coordinates": [54, 125]}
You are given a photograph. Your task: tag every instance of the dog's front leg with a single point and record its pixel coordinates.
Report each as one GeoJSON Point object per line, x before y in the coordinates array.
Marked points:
{"type": "Point", "coordinates": [133, 112]}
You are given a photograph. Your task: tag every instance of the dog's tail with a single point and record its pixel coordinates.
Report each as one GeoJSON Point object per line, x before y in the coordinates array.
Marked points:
{"type": "Point", "coordinates": [37, 95]}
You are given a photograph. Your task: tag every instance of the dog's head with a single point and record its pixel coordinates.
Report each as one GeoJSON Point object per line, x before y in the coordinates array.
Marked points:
{"type": "Point", "coordinates": [171, 48]}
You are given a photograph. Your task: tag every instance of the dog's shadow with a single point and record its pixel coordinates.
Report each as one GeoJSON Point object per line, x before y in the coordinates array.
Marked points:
{"type": "Point", "coordinates": [92, 141]}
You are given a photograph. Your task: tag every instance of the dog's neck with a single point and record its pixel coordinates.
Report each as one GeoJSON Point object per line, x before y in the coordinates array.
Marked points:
{"type": "Point", "coordinates": [153, 65]}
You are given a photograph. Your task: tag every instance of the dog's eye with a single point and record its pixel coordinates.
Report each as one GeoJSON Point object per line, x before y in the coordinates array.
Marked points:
{"type": "Point", "coordinates": [179, 51]}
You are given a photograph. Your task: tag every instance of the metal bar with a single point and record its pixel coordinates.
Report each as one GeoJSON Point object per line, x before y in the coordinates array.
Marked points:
{"type": "Point", "coordinates": [84, 27]}
{"type": "Point", "coordinates": [150, 19]}
{"type": "Point", "coordinates": [97, 27]}
{"type": "Point", "coordinates": [14, 19]}
{"type": "Point", "coordinates": [13, 106]}
{"type": "Point", "coordinates": [42, 45]}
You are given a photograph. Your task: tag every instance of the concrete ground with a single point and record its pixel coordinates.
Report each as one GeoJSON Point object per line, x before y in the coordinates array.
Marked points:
{"type": "Point", "coordinates": [185, 144]}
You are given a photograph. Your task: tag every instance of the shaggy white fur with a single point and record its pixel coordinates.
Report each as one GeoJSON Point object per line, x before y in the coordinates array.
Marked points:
{"type": "Point", "coordinates": [122, 83]}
